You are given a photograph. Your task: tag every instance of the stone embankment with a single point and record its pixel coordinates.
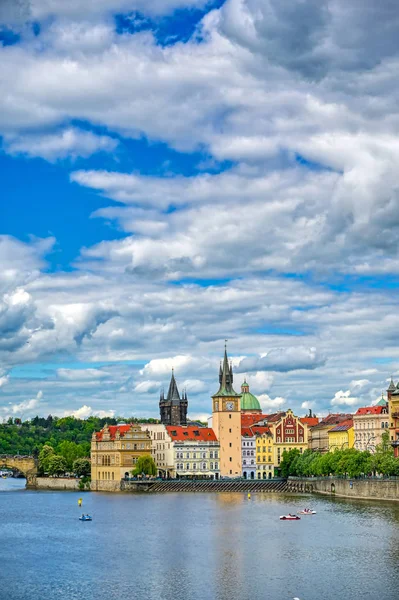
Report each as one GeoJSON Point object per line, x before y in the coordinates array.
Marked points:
{"type": "Point", "coordinates": [369, 488]}
{"type": "Point", "coordinates": [55, 483]}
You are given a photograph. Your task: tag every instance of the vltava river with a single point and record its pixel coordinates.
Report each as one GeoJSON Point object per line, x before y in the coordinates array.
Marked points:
{"type": "Point", "coordinates": [194, 547]}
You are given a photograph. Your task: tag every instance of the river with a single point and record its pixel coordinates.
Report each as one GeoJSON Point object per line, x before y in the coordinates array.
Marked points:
{"type": "Point", "coordinates": [194, 546]}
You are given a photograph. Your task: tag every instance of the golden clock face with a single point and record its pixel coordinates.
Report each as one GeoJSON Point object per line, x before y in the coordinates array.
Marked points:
{"type": "Point", "coordinates": [230, 405]}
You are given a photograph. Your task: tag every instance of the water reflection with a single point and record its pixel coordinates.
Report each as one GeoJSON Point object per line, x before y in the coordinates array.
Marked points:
{"type": "Point", "coordinates": [181, 547]}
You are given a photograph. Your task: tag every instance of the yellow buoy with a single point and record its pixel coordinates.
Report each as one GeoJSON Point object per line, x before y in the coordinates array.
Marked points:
{"type": "Point", "coordinates": [249, 496]}
{"type": "Point", "coordinates": [80, 502]}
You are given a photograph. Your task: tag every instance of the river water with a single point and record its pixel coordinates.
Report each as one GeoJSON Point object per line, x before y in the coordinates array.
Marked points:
{"type": "Point", "coordinates": [194, 546]}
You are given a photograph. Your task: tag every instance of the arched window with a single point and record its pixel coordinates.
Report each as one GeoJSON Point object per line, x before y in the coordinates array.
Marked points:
{"type": "Point", "coordinates": [187, 466]}
{"type": "Point", "coordinates": [194, 466]}
{"type": "Point", "coordinates": [212, 466]}
{"type": "Point", "coordinates": [383, 424]}
{"type": "Point", "coordinates": [204, 466]}
{"type": "Point", "coordinates": [216, 466]}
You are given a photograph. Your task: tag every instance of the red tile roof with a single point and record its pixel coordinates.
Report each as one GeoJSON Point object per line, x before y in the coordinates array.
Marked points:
{"type": "Point", "coordinates": [276, 417]}
{"type": "Point", "coordinates": [246, 432]}
{"type": "Point", "coordinates": [248, 420]}
{"type": "Point", "coordinates": [180, 433]}
{"type": "Point", "coordinates": [370, 410]}
{"type": "Point", "coordinates": [333, 419]}
{"type": "Point", "coordinates": [310, 421]}
{"type": "Point", "coordinates": [259, 430]}
{"type": "Point", "coordinates": [112, 431]}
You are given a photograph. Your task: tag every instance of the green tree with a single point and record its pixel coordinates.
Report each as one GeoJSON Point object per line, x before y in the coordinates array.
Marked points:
{"type": "Point", "coordinates": [57, 465]}
{"type": "Point", "coordinates": [146, 465]}
{"type": "Point", "coordinates": [82, 467]}
{"type": "Point", "coordinates": [288, 463]}
{"type": "Point", "coordinates": [44, 457]}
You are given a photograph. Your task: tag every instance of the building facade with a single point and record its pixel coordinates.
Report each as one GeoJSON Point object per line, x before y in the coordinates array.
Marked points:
{"type": "Point", "coordinates": [173, 408]}
{"type": "Point", "coordinates": [341, 437]}
{"type": "Point", "coordinates": [393, 409]}
{"type": "Point", "coordinates": [226, 422]}
{"type": "Point", "coordinates": [369, 423]}
{"type": "Point", "coordinates": [248, 453]}
{"type": "Point", "coordinates": [318, 434]}
{"type": "Point", "coordinates": [196, 452]}
{"type": "Point", "coordinates": [115, 451]}
{"type": "Point", "coordinates": [162, 449]}
{"type": "Point", "coordinates": [264, 452]}
{"type": "Point", "coordinates": [288, 432]}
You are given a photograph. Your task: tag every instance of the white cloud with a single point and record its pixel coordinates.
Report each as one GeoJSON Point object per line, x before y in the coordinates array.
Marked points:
{"type": "Point", "coordinates": [271, 404]}
{"type": "Point", "coordinates": [86, 411]}
{"type": "Point", "coordinates": [147, 387]}
{"type": "Point", "coordinates": [81, 374]}
{"type": "Point", "coordinates": [283, 359]}
{"type": "Point", "coordinates": [68, 143]}
{"type": "Point", "coordinates": [342, 398]}
{"type": "Point", "coordinates": [24, 409]}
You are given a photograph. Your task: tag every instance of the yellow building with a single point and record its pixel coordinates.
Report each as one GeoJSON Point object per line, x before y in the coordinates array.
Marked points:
{"type": "Point", "coordinates": [264, 452]}
{"type": "Point", "coordinates": [341, 436]}
{"type": "Point", "coordinates": [226, 422]}
{"type": "Point", "coordinates": [393, 403]}
{"type": "Point", "coordinates": [115, 451]}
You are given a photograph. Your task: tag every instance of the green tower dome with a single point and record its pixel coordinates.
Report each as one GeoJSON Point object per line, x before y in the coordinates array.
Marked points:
{"type": "Point", "coordinates": [249, 402]}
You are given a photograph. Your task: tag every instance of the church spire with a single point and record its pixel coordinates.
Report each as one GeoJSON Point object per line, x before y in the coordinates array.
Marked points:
{"type": "Point", "coordinates": [226, 377]}
{"type": "Point", "coordinates": [173, 393]}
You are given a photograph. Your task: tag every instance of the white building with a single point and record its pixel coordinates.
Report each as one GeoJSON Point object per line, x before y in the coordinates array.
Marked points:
{"type": "Point", "coordinates": [248, 451]}
{"type": "Point", "coordinates": [196, 451]}
{"type": "Point", "coordinates": [162, 449]}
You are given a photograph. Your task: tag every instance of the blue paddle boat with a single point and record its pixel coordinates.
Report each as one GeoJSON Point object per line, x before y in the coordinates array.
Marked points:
{"type": "Point", "coordinates": [85, 518]}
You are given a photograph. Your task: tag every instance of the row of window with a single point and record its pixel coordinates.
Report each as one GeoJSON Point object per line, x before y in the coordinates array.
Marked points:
{"type": "Point", "coordinates": [130, 446]}
{"type": "Point", "coordinates": [106, 475]}
{"type": "Point", "coordinates": [289, 439]}
{"type": "Point", "coordinates": [244, 462]}
{"type": "Point", "coordinates": [212, 454]}
{"type": "Point", "coordinates": [203, 466]}
{"type": "Point", "coordinates": [248, 453]}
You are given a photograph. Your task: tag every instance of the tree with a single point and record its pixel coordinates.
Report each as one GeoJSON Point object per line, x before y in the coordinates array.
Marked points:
{"type": "Point", "coordinates": [71, 451]}
{"type": "Point", "coordinates": [82, 467]}
{"type": "Point", "coordinates": [288, 462]}
{"type": "Point", "coordinates": [57, 465]}
{"type": "Point", "coordinates": [44, 457]}
{"type": "Point", "coordinates": [146, 465]}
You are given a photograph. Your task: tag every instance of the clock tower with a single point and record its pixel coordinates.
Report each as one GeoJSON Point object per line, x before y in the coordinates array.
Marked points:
{"type": "Point", "coordinates": [226, 422]}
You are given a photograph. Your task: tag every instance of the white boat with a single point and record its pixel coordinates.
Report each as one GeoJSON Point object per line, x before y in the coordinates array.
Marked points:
{"type": "Point", "coordinates": [290, 517]}
{"type": "Point", "coordinates": [306, 511]}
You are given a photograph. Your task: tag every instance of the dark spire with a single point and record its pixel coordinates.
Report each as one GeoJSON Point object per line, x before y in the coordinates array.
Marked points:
{"type": "Point", "coordinates": [392, 386]}
{"type": "Point", "coordinates": [226, 377]}
{"type": "Point", "coordinates": [162, 395]}
{"type": "Point", "coordinates": [220, 373]}
{"type": "Point", "coordinates": [173, 393]}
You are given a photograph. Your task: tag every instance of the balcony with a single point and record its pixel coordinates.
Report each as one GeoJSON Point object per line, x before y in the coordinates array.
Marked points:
{"type": "Point", "coordinates": [395, 444]}
{"type": "Point", "coordinates": [395, 415]}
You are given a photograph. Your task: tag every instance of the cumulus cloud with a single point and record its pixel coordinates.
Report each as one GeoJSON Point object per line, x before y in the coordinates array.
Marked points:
{"type": "Point", "coordinates": [86, 411]}
{"type": "Point", "coordinates": [24, 409]}
{"type": "Point", "coordinates": [283, 359]}
{"type": "Point", "coordinates": [342, 398]}
{"type": "Point", "coordinates": [271, 404]}
{"type": "Point", "coordinates": [68, 143]}
{"type": "Point", "coordinates": [147, 387]}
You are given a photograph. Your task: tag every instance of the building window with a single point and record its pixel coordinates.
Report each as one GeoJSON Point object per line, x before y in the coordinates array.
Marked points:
{"type": "Point", "coordinates": [194, 466]}
{"type": "Point", "coordinates": [230, 444]}
{"type": "Point", "coordinates": [211, 466]}
{"type": "Point", "coordinates": [231, 460]}
{"type": "Point", "coordinates": [204, 466]}
{"type": "Point", "coordinates": [211, 454]}
{"type": "Point", "coordinates": [216, 466]}
{"type": "Point", "coordinates": [216, 455]}
{"type": "Point", "coordinates": [229, 416]}
{"type": "Point", "coordinates": [187, 466]}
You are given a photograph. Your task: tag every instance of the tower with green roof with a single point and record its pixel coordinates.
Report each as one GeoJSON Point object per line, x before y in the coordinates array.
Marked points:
{"type": "Point", "coordinates": [226, 421]}
{"type": "Point", "coordinates": [249, 402]}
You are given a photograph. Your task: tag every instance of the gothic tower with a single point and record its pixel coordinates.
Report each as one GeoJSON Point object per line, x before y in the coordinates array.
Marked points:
{"type": "Point", "coordinates": [173, 409]}
{"type": "Point", "coordinates": [226, 421]}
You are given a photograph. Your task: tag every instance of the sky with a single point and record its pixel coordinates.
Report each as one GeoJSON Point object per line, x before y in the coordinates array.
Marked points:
{"type": "Point", "coordinates": [176, 173]}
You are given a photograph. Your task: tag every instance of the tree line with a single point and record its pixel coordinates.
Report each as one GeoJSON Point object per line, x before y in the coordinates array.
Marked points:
{"type": "Point", "coordinates": [349, 462]}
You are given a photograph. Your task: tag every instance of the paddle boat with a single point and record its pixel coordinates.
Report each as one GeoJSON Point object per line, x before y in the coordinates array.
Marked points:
{"type": "Point", "coordinates": [306, 511]}
{"type": "Point", "coordinates": [85, 518]}
{"type": "Point", "coordinates": [290, 517]}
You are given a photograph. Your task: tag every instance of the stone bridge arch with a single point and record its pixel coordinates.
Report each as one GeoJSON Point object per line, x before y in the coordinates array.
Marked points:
{"type": "Point", "coordinates": [27, 465]}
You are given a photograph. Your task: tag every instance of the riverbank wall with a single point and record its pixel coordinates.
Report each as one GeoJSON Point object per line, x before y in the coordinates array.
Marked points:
{"type": "Point", "coordinates": [55, 483]}
{"type": "Point", "coordinates": [367, 489]}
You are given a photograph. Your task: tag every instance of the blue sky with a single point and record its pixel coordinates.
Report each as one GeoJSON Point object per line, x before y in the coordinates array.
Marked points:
{"type": "Point", "coordinates": [180, 172]}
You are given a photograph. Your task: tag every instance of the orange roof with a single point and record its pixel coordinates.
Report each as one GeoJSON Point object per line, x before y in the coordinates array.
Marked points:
{"type": "Point", "coordinates": [180, 433]}
{"type": "Point", "coordinates": [370, 410]}
{"type": "Point", "coordinates": [259, 430]}
{"type": "Point", "coordinates": [248, 420]}
{"type": "Point", "coordinates": [112, 431]}
{"type": "Point", "coordinates": [310, 421]}
{"type": "Point", "coordinates": [246, 432]}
